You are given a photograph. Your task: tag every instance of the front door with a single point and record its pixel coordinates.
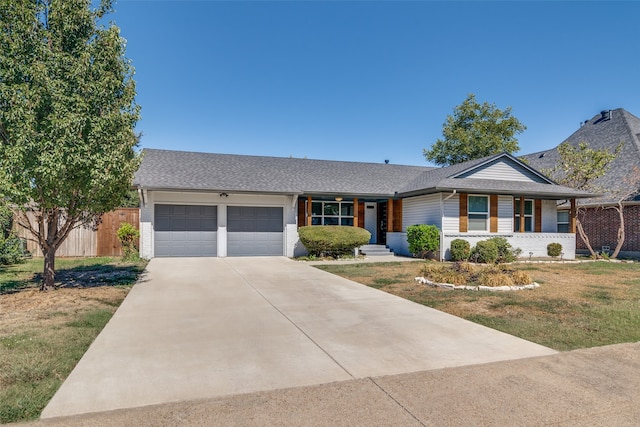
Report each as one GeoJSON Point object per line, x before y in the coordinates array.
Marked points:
{"type": "Point", "coordinates": [371, 220]}
{"type": "Point", "coordinates": [382, 224]}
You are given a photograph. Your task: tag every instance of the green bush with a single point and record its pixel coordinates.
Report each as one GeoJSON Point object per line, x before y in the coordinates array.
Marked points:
{"type": "Point", "coordinates": [495, 250]}
{"type": "Point", "coordinates": [127, 234]}
{"type": "Point", "coordinates": [460, 250]}
{"type": "Point", "coordinates": [506, 252]}
{"type": "Point", "coordinates": [332, 240]}
{"type": "Point", "coordinates": [423, 239]}
{"type": "Point", "coordinates": [10, 249]}
{"type": "Point", "coordinates": [485, 251]}
{"type": "Point", "coordinates": [554, 249]}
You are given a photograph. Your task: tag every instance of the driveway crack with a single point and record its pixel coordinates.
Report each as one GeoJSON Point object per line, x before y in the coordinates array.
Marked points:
{"type": "Point", "coordinates": [248, 282]}
{"type": "Point", "coordinates": [404, 408]}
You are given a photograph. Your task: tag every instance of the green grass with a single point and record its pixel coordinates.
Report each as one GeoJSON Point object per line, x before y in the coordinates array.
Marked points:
{"type": "Point", "coordinates": [35, 362]}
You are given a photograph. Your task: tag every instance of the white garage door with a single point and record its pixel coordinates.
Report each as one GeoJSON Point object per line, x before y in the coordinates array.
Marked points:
{"type": "Point", "coordinates": [254, 230]}
{"type": "Point", "coordinates": [185, 230]}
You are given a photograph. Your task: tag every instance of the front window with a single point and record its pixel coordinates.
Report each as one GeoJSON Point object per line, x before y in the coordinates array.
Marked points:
{"type": "Point", "coordinates": [478, 213]}
{"type": "Point", "coordinates": [527, 214]}
{"type": "Point", "coordinates": [563, 221]}
{"type": "Point", "coordinates": [332, 213]}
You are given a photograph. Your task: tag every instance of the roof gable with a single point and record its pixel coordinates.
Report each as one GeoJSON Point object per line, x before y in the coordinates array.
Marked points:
{"type": "Point", "coordinates": [504, 168]}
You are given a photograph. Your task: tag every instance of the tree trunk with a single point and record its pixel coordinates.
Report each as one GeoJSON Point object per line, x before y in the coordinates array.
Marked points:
{"type": "Point", "coordinates": [621, 234]}
{"type": "Point", "coordinates": [49, 273]}
{"type": "Point", "coordinates": [584, 237]}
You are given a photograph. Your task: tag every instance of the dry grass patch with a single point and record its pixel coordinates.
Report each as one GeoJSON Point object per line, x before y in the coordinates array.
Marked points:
{"type": "Point", "coordinates": [577, 306]}
{"type": "Point", "coordinates": [44, 334]}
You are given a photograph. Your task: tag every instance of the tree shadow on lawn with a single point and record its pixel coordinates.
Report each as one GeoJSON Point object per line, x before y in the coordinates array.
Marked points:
{"type": "Point", "coordinates": [86, 276]}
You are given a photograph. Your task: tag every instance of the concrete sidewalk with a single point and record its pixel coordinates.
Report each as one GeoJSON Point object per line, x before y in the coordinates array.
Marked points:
{"type": "Point", "coordinates": [592, 387]}
{"type": "Point", "coordinates": [198, 328]}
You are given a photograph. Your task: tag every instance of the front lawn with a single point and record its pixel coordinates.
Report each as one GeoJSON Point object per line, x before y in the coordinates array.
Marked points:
{"type": "Point", "coordinates": [44, 334]}
{"type": "Point", "coordinates": [577, 306]}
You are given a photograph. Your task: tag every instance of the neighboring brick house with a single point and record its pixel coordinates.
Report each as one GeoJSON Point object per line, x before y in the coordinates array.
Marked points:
{"type": "Point", "coordinates": [606, 130]}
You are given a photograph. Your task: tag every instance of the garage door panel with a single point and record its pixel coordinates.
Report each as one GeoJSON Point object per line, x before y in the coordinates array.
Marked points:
{"type": "Point", "coordinates": [254, 230]}
{"type": "Point", "coordinates": [254, 244]}
{"type": "Point", "coordinates": [185, 230]}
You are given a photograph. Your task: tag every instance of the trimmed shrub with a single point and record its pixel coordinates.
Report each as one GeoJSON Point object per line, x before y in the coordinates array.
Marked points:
{"type": "Point", "coordinates": [127, 234]}
{"type": "Point", "coordinates": [554, 249]}
{"type": "Point", "coordinates": [496, 250]}
{"type": "Point", "coordinates": [485, 251]}
{"type": "Point", "coordinates": [423, 239]}
{"type": "Point", "coordinates": [332, 240]}
{"type": "Point", "coordinates": [460, 250]}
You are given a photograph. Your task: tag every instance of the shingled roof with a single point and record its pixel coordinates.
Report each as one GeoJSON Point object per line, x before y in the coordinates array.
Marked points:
{"type": "Point", "coordinates": [605, 130]}
{"type": "Point", "coordinates": [180, 170]}
{"type": "Point", "coordinates": [189, 171]}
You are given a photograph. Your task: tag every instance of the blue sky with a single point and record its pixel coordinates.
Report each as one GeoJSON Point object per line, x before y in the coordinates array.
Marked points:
{"type": "Point", "coordinates": [371, 80]}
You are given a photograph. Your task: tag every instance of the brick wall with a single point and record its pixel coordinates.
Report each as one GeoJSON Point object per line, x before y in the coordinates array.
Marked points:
{"type": "Point", "coordinates": [601, 227]}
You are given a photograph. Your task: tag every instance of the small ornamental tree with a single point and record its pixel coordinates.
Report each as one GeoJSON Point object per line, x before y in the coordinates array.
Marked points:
{"type": "Point", "coordinates": [423, 239]}
{"type": "Point", "coordinates": [67, 118]}
{"type": "Point", "coordinates": [580, 167]}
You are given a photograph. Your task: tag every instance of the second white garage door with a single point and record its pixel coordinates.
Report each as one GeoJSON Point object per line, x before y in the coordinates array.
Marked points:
{"type": "Point", "coordinates": [254, 230]}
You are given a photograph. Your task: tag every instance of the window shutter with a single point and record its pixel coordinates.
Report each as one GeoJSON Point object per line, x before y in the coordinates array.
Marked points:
{"type": "Point", "coordinates": [538, 216]}
{"type": "Point", "coordinates": [493, 213]}
{"type": "Point", "coordinates": [464, 219]}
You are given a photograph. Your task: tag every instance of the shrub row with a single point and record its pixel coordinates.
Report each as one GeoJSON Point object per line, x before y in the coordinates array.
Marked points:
{"type": "Point", "coordinates": [495, 250]}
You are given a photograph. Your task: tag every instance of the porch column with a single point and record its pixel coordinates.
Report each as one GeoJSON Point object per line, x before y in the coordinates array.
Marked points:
{"type": "Point", "coordinates": [390, 215]}
{"type": "Point", "coordinates": [572, 217]}
{"type": "Point", "coordinates": [522, 214]}
{"type": "Point", "coordinates": [309, 210]}
{"type": "Point", "coordinates": [355, 211]}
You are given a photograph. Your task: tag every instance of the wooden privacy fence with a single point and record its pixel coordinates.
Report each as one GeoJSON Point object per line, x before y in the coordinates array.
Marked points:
{"type": "Point", "coordinates": [88, 242]}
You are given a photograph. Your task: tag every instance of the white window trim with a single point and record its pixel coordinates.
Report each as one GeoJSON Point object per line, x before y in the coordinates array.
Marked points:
{"type": "Point", "coordinates": [558, 223]}
{"type": "Point", "coordinates": [487, 213]}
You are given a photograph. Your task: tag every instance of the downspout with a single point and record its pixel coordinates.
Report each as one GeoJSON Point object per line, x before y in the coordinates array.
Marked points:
{"type": "Point", "coordinates": [441, 219]}
{"type": "Point", "coordinates": [141, 195]}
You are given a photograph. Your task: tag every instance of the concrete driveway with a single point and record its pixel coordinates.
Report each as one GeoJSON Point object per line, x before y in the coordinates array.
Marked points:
{"type": "Point", "coordinates": [196, 328]}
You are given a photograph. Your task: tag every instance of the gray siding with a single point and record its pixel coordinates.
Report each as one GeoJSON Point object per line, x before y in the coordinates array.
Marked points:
{"type": "Point", "coordinates": [421, 210]}
{"type": "Point", "coordinates": [503, 170]}
{"type": "Point", "coordinates": [450, 215]}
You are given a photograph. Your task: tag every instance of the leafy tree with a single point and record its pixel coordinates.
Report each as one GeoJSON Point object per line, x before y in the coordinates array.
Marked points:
{"type": "Point", "coordinates": [67, 114]}
{"type": "Point", "coordinates": [474, 131]}
{"type": "Point", "coordinates": [580, 167]}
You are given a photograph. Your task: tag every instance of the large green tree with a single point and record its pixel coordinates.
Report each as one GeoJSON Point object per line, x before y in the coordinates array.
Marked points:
{"type": "Point", "coordinates": [474, 131]}
{"type": "Point", "coordinates": [67, 117]}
